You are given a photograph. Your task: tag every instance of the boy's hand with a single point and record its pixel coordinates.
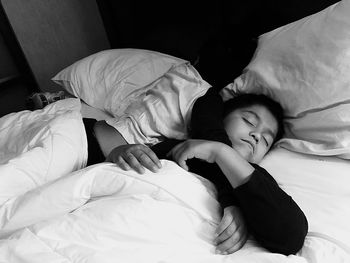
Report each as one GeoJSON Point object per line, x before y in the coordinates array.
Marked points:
{"type": "Point", "coordinates": [134, 156]}
{"type": "Point", "coordinates": [232, 231]}
{"type": "Point", "coordinates": [201, 149]}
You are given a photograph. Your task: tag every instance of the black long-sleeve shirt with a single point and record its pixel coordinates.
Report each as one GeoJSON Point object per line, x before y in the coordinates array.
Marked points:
{"type": "Point", "coordinates": [272, 216]}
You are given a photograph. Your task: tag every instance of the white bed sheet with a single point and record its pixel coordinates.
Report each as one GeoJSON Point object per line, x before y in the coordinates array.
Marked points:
{"type": "Point", "coordinates": [320, 185]}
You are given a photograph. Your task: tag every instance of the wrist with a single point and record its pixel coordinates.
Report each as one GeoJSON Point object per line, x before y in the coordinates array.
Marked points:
{"type": "Point", "coordinates": [233, 165]}
{"type": "Point", "coordinates": [220, 151]}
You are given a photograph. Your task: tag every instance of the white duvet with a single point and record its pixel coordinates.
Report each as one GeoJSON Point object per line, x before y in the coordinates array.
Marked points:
{"type": "Point", "coordinates": [53, 211]}
{"type": "Point", "coordinates": [40, 146]}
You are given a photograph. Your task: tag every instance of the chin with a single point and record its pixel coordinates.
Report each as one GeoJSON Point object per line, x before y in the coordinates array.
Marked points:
{"type": "Point", "coordinates": [246, 155]}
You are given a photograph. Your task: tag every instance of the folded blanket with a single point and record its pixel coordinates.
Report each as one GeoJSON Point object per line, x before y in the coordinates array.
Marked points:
{"type": "Point", "coordinates": [39, 146]}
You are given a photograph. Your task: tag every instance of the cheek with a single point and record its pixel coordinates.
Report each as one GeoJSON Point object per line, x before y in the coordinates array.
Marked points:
{"type": "Point", "coordinates": [237, 129]}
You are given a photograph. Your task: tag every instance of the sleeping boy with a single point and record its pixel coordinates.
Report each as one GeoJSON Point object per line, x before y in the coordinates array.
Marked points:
{"type": "Point", "coordinates": [228, 140]}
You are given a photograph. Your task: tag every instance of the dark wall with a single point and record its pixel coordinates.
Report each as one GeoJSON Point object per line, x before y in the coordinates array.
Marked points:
{"type": "Point", "coordinates": [16, 81]}
{"type": "Point", "coordinates": [218, 37]}
{"type": "Point", "coordinates": [177, 27]}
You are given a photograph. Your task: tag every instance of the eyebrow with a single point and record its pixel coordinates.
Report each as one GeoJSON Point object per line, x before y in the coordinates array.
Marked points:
{"type": "Point", "coordinates": [258, 117]}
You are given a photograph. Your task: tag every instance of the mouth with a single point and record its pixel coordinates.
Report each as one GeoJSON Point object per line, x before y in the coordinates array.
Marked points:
{"type": "Point", "coordinates": [252, 146]}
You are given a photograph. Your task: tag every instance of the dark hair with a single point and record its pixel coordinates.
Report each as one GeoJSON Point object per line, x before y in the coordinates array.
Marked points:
{"type": "Point", "coordinates": [249, 99]}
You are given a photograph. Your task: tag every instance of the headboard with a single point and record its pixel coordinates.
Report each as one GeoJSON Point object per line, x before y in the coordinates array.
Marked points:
{"type": "Point", "coordinates": [55, 33]}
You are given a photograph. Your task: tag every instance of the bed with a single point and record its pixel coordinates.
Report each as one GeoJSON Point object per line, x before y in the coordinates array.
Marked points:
{"type": "Point", "coordinates": [54, 208]}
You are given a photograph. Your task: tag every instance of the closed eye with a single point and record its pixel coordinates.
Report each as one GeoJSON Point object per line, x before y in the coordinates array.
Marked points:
{"type": "Point", "coordinates": [249, 122]}
{"type": "Point", "coordinates": [266, 142]}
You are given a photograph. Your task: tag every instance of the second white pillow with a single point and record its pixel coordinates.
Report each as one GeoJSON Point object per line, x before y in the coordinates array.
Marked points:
{"type": "Point", "coordinates": [105, 79]}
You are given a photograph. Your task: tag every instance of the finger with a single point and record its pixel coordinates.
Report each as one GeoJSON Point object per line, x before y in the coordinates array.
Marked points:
{"type": "Point", "coordinates": [174, 150]}
{"type": "Point", "coordinates": [180, 161]}
{"type": "Point", "coordinates": [146, 161]}
{"type": "Point", "coordinates": [226, 221]}
{"type": "Point", "coordinates": [183, 164]}
{"type": "Point", "coordinates": [182, 155]}
{"type": "Point", "coordinates": [178, 154]}
{"type": "Point", "coordinates": [227, 233]}
{"type": "Point", "coordinates": [153, 157]}
{"type": "Point", "coordinates": [230, 245]}
{"type": "Point", "coordinates": [133, 162]}
{"type": "Point", "coordinates": [122, 164]}
{"type": "Point", "coordinates": [238, 245]}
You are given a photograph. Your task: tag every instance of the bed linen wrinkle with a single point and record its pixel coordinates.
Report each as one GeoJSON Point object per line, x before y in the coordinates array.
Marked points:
{"type": "Point", "coordinates": [162, 109]}
{"type": "Point", "coordinates": [40, 146]}
{"type": "Point", "coordinates": [345, 247]}
{"type": "Point", "coordinates": [187, 240]}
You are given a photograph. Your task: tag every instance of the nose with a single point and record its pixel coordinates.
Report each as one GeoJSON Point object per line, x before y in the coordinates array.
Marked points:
{"type": "Point", "coordinates": [256, 136]}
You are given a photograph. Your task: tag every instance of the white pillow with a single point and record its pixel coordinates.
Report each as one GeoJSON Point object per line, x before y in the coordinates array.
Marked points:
{"type": "Point", "coordinates": [165, 110]}
{"type": "Point", "coordinates": [305, 66]}
{"type": "Point", "coordinates": [106, 78]}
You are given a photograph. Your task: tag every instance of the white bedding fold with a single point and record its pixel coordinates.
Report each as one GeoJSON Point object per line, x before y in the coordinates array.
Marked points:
{"type": "Point", "coordinates": [104, 214]}
{"type": "Point", "coordinates": [39, 146]}
{"type": "Point", "coordinates": [105, 180]}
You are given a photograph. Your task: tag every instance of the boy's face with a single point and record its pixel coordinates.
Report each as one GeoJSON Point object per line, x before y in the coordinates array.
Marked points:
{"type": "Point", "coordinates": [252, 130]}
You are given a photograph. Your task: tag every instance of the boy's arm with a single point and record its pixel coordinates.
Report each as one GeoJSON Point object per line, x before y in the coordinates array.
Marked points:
{"type": "Point", "coordinates": [207, 124]}
{"type": "Point", "coordinates": [207, 118]}
{"type": "Point", "coordinates": [108, 137]}
{"type": "Point", "coordinates": [273, 218]}
{"type": "Point", "coordinates": [200, 167]}
{"type": "Point", "coordinates": [236, 169]}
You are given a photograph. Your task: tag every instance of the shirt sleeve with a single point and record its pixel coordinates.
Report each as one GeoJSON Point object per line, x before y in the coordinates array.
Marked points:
{"type": "Point", "coordinates": [207, 118]}
{"type": "Point", "coordinates": [207, 124]}
{"type": "Point", "coordinates": [272, 216]}
{"type": "Point", "coordinates": [161, 149]}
